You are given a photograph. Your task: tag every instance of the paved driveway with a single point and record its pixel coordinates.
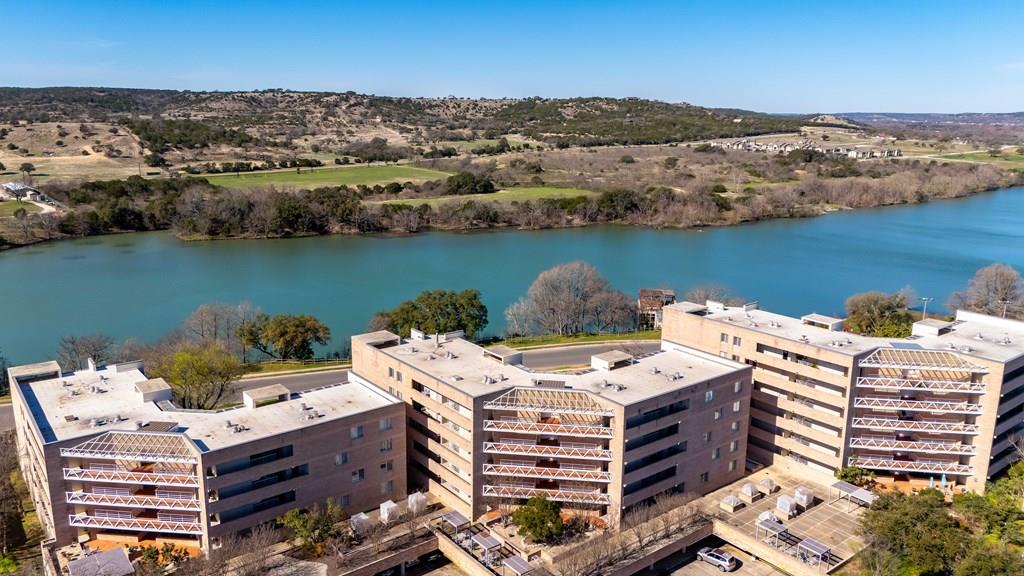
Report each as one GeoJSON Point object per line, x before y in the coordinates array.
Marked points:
{"type": "Point", "coordinates": [6, 417]}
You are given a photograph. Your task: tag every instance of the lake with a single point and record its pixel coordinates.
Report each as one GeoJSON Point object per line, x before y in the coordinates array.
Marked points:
{"type": "Point", "coordinates": [142, 285]}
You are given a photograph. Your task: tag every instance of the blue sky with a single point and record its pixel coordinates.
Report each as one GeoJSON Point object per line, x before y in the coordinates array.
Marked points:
{"type": "Point", "coordinates": [771, 56]}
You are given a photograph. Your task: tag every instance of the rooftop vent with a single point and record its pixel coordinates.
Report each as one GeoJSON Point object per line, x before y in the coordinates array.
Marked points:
{"type": "Point", "coordinates": [655, 370]}
{"type": "Point", "coordinates": [804, 338]}
{"type": "Point", "coordinates": [675, 376]}
{"type": "Point", "coordinates": [455, 377]}
{"type": "Point", "coordinates": [978, 336]}
{"type": "Point", "coordinates": [1005, 341]}
{"type": "Point", "coordinates": [228, 424]}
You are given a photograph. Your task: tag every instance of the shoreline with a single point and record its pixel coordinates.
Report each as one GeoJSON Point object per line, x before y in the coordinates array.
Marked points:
{"type": "Point", "coordinates": [814, 212]}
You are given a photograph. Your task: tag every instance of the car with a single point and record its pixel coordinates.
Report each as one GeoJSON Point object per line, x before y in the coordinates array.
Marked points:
{"type": "Point", "coordinates": [718, 558]}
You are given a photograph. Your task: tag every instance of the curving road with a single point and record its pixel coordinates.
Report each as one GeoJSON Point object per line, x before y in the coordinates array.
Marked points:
{"type": "Point", "coordinates": [540, 359]}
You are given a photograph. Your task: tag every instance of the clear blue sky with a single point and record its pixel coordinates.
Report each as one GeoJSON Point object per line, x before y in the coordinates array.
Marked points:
{"type": "Point", "coordinates": [775, 56]}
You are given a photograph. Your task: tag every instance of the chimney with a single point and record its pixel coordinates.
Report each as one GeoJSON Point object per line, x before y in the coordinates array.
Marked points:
{"type": "Point", "coordinates": [91, 364]}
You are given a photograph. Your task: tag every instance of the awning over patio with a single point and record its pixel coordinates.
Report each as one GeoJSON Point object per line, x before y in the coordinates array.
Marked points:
{"type": "Point", "coordinates": [486, 542]}
{"type": "Point", "coordinates": [456, 520]}
{"type": "Point", "coordinates": [814, 548]}
{"type": "Point", "coordinates": [518, 565]}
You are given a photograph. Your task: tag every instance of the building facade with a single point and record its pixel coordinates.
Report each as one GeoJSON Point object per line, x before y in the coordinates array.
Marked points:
{"type": "Point", "coordinates": [108, 456]}
{"type": "Point", "coordinates": [939, 407]}
{"type": "Point", "coordinates": [483, 430]}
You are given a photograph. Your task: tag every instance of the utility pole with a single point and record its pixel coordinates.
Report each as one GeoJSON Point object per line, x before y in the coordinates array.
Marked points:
{"type": "Point", "coordinates": [926, 300]}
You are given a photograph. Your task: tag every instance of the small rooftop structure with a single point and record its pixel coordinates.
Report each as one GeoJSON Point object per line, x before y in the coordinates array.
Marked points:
{"type": "Point", "coordinates": [730, 503]}
{"type": "Point", "coordinates": [518, 565]}
{"type": "Point", "coordinates": [814, 551]}
{"type": "Point", "coordinates": [360, 522]}
{"type": "Point", "coordinates": [766, 485]}
{"type": "Point", "coordinates": [113, 562]}
{"type": "Point", "coordinates": [787, 506]}
{"type": "Point", "coordinates": [504, 355]}
{"type": "Point", "coordinates": [485, 541]}
{"type": "Point", "coordinates": [931, 327]}
{"type": "Point", "coordinates": [455, 520]}
{"type": "Point", "coordinates": [416, 502]}
{"type": "Point", "coordinates": [821, 321]}
{"type": "Point", "coordinates": [610, 360]}
{"type": "Point", "coordinates": [265, 395]}
{"type": "Point", "coordinates": [389, 511]}
{"type": "Point", "coordinates": [804, 496]}
{"type": "Point", "coordinates": [154, 390]}
{"type": "Point", "coordinates": [853, 494]}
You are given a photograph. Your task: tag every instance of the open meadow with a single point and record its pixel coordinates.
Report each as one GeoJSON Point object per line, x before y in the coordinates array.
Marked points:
{"type": "Point", "coordinates": [311, 178]}
{"type": "Point", "coordinates": [9, 207]}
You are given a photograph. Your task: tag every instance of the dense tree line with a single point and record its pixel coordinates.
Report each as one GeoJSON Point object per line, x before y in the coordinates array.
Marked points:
{"type": "Point", "coordinates": [242, 166]}
{"type": "Point", "coordinates": [160, 135]}
{"type": "Point", "coordinates": [435, 312]}
{"type": "Point", "coordinates": [377, 150]}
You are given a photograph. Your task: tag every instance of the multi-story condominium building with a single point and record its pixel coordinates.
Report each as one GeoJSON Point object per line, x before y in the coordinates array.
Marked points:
{"type": "Point", "coordinates": [941, 406]}
{"type": "Point", "coordinates": [484, 430]}
{"type": "Point", "coordinates": [108, 456]}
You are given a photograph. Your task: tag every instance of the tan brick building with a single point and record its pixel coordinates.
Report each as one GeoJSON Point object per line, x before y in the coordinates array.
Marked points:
{"type": "Point", "coordinates": [941, 405]}
{"type": "Point", "coordinates": [483, 429]}
{"type": "Point", "coordinates": [107, 455]}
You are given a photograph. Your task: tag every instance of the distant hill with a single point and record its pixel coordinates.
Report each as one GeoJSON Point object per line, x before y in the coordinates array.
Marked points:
{"type": "Point", "coordinates": [981, 128]}
{"type": "Point", "coordinates": [284, 116]}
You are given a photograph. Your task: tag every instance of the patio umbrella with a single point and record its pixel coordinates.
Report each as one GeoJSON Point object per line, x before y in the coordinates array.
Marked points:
{"type": "Point", "coordinates": [931, 481]}
{"type": "Point", "coordinates": [943, 480]}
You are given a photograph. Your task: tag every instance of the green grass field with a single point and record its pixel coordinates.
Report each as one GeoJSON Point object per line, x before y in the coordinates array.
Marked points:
{"type": "Point", "coordinates": [9, 207]}
{"type": "Point", "coordinates": [1008, 159]}
{"type": "Point", "coordinates": [467, 145]}
{"type": "Point", "coordinates": [510, 195]}
{"type": "Point", "coordinates": [352, 176]}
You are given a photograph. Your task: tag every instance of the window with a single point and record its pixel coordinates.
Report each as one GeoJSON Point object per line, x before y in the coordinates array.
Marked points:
{"type": "Point", "coordinates": [738, 386]}
{"type": "Point", "coordinates": [341, 458]}
{"type": "Point", "coordinates": [346, 500]}
{"type": "Point", "coordinates": [732, 465]}
{"type": "Point", "coordinates": [703, 476]}
{"type": "Point", "coordinates": [358, 475]}
{"type": "Point", "coordinates": [734, 446]}
{"type": "Point", "coordinates": [709, 396]}
{"type": "Point", "coordinates": [391, 372]}
{"type": "Point", "coordinates": [398, 394]}
{"type": "Point", "coordinates": [716, 453]}
{"type": "Point", "coordinates": [386, 445]}
{"type": "Point", "coordinates": [385, 423]}
{"type": "Point", "coordinates": [707, 436]}
{"type": "Point", "coordinates": [387, 465]}
{"type": "Point", "coordinates": [387, 486]}
{"type": "Point", "coordinates": [736, 341]}
{"type": "Point", "coordinates": [718, 414]}
{"type": "Point", "coordinates": [736, 406]}
{"type": "Point", "coordinates": [724, 338]}
{"type": "Point", "coordinates": [735, 425]}
{"type": "Point", "coordinates": [398, 376]}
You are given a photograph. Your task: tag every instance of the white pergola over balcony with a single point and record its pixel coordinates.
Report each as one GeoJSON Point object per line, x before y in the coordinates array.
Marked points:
{"type": "Point", "coordinates": [573, 496]}
{"type": "Point", "coordinates": [925, 360]}
{"type": "Point", "coordinates": [882, 383]}
{"type": "Point", "coordinates": [136, 524]}
{"type": "Point", "coordinates": [154, 502]}
{"type": "Point", "coordinates": [136, 446]}
{"type": "Point", "coordinates": [528, 427]}
{"type": "Point", "coordinates": [915, 425]}
{"type": "Point", "coordinates": [917, 405]}
{"type": "Point", "coordinates": [529, 449]}
{"type": "Point", "coordinates": [550, 401]}
{"type": "Point", "coordinates": [933, 447]}
{"type": "Point", "coordinates": [129, 477]}
{"type": "Point", "coordinates": [522, 471]}
{"type": "Point", "coordinates": [876, 463]}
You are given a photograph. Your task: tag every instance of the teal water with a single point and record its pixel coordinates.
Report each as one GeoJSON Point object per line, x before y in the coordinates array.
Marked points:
{"type": "Point", "coordinates": [142, 285]}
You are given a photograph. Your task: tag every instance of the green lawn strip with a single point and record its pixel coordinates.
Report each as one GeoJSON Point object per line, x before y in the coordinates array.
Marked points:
{"type": "Point", "coordinates": [555, 340]}
{"type": "Point", "coordinates": [309, 178]}
{"type": "Point", "coordinates": [278, 367]}
{"type": "Point", "coordinates": [509, 195]}
{"type": "Point", "coordinates": [9, 207]}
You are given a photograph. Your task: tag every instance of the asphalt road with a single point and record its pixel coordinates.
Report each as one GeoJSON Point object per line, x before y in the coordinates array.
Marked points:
{"type": "Point", "coordinates": [543, 359]}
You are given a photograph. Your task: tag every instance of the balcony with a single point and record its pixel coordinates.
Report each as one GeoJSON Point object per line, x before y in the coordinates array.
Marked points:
{"type": "Point", "coordinates": [876, 463]}
{"type": "Point", "coordinates": [547, 451]}
{"type": "Point", "coordinates": [528, 427]}
{"type": "Point", "coordinates": [918, 405]}
{"type": "Point", "coordinates": [573, 496]}
{"type": "Point", "coordinates": [132, 501]}
{"type": "Point", "coordinates": [130, 477]}
{"type": "Point", "coordinates": [933, 447]}
{"type": "Point", "coordinates": [522, 471]}
{"type": "Point", "coordinates": [135, 524]}
{"type": "Point", "coordinates": [923, 385]}
{"type": "Point", "coordinates": [898, 425]}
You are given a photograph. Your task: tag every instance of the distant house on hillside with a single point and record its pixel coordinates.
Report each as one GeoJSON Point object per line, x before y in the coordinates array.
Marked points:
{"type": "Point", "coordinates": [651, 301]}
{"type": "Point", "coordinates": [15, 190]}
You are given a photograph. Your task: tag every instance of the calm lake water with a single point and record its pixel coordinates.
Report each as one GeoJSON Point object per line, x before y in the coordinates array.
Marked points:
{"type": "Point", "coordinates": [142, 285]}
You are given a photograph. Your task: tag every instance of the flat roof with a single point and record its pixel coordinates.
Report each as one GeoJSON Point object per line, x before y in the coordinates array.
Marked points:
{"type": "Point", "coordinates": [86, 403]}
{"type": "Point", "coordinates": [113, 562]}
{"type": "Point", "coordinates": [267, 392]}
{"type": "Point", "coordinates": [465, 366]}
{"type": "Point", "coordinates": [613, 356]}
{"type": "Point", "coordinates": [971, 334]}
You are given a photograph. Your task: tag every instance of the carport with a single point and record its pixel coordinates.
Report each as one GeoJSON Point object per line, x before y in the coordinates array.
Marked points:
{"type": "Point", "coordinates": [519, 566]}
{"type": "Point", "coordinates": [854, 495]}
{"type": "Point", "coordinates": [774, 533]}
{"type": "Point", "coordinates": [810, 551]}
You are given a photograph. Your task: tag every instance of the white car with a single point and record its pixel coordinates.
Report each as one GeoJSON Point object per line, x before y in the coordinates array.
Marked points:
{"type": "Point", "coordinates": [719, 558]}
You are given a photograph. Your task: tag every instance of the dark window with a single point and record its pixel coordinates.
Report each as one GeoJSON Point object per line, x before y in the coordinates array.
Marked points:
{"type": "Point", "coordinates": [256, 507]}
{"type": "Point", "coordinates": [649, 480]}
{"type": "Point", "coordinates": [634, 443]}
{"type": "Point", "coordinates": [655, 457]}
{"type": "Point", "coordinates": [254, 460]}
{"type": "Point", "coordinates": [263, 481]}
{"type": "Point", "coordinates": [661, 412]}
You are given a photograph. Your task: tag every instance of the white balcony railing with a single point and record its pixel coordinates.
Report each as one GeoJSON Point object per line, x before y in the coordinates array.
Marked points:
{"type": "Point", "coordinates": [573, 496]}
{"type": "Point", "coordinates": [129, 477]}
{"type": "Point", "coordinates": [136, 524]}
{"type": "Point", "coordinates": [924, 385]}
{"type": "Point", "coordinates": [547, 451]}
{"type": "Point", "coordinates": [915, 425]}
{"type": "Point", "coordinates": [133, 501]}
{"type": "Point", "coordinates": [520, 471]}
{"type": "Point", "coordinates": [875, 463]}
{"type": "Point", "coordinates": [917, 405]}
{"type": "Point", "coordinates": [527, 427]}
{"type": "Point", "coordinates": [913, 446]}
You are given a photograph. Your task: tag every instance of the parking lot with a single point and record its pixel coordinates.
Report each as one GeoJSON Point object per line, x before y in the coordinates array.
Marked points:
{"type": "Point", "coordinates": [687, 564]}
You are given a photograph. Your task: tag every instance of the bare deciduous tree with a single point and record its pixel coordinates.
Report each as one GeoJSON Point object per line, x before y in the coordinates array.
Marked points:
{"type": "Point", "coordinates": [996, 290]}
{"type": "Point", "coordinates": [74, 351]}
